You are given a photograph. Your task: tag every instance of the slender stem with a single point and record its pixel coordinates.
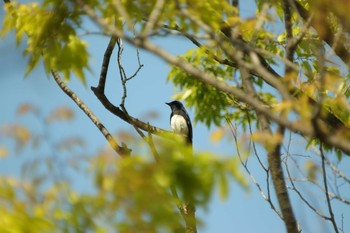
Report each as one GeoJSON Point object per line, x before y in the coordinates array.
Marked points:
{"type": "Point", "coordinates": [326, 192]}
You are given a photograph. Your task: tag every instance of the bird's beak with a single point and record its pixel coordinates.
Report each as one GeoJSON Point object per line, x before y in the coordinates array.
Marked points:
{"type": "Point", "coordinates": [168, 104]}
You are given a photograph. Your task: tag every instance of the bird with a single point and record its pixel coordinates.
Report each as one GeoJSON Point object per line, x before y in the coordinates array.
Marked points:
{"type": "Point", "coordinates": [180, 121]}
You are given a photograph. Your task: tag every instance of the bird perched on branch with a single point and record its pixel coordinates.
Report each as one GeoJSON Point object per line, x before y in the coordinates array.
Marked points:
{"type": "Point", "coordinates": [180, 121]}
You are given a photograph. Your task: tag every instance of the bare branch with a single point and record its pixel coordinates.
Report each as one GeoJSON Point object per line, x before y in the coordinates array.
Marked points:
{"type": "Point", "coordinates": [291, 45]}
{"type": "Point", "coordinates": [275, 164]}
{"type": "Point", "coordinates": [326, 192]}
{"type": "Point", "coordinates": [255, 182]}
{"type": "Point", "coordinates": [124, 78]}
{"type": "Point", "coordinates": [296, 190]}
{"type": "Point", "coordinates": [337, 171]}
{"type": "Point", "coordinates": [100, 89]}
{"type": "Point", "coordinates": [105, 63]}
{"type": "Point", "coordinates": [121, 150]}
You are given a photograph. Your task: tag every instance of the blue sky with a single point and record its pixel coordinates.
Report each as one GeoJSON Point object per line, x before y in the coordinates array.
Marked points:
{"type": "Point", "coordinates": [244, 211]}
{"type": "Point", "coordinates": [147, 92]}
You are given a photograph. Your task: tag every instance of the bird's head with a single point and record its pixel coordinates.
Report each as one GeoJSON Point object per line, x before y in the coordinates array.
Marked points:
{"type": "Point", "coordinates": [175, 105]}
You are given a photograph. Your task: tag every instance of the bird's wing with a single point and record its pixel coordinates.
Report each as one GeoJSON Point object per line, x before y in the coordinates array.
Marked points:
{"type": "Point", "coordinates": [188, 121]}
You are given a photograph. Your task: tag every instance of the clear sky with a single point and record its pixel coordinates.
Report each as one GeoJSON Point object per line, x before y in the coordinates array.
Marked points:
{"type": "Point", "coordinates": [244, 211]}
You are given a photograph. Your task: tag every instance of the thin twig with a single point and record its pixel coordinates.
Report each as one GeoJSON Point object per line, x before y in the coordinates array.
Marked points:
{"type": "Point", "coordinates": [314, 182]}
{"type": "Point", "coordinates": [123, 77]}
{"type": "Point", "coordinates": [245, 166]}
{"type": "Point", "coordinates": [337, 171]}
{"type": "Point", "coordinates": [122, 71]}
{"type": "Point", "coordinates": [99, 91]}
{"type": "Point", "coordinates": [326, 191]}
{"type": "Point", "coordinates": [296, 190]}
{"type": "Point", "coordinates": [253, 144]}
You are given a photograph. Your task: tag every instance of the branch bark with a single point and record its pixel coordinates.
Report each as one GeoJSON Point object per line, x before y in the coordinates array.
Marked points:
{"type": "Point", "coordinates": [99, 92]}
{"type": "Point", "coordinates": [304, 129]}
{"type": "Point", "coordinates": [324, 30]}
{"type": "Point", "coordinates": [274, 155]}
{"type": "Point", "coordinates": [274, 160]}
{"type": "Point", "coordinates": [261, 69]}
{"type": "Point", "coordinates": [121, 150]}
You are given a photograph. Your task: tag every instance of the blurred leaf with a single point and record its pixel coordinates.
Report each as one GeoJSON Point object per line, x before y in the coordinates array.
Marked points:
{"type": "Point", "coordinates": [68, 144]}
{"type": "Point", "coordinates": [150, 115]}
{"type": "Point", "coordinates": [125, 136]}
{"type": "Point", "coordinates": [339, 154]}
{"type": "Point", "coordinates": [266, 139]}
{"type": "Point", "coordinates": [283, 106]}
{"type": "Point", "coordinates": [26, 108]}
{"type": "Point", "coordinates": [19, 133]}
{"type": "Point", "coordinates": [311, 169]}
{"type": "Point", "coordinates": [217, 135]}
{"type": "Point", "coordinates": [3, 151]}
{"type": "Point", "coordinates": [60, 114]}
{"type": "Point", "coordinates": [223, 187]}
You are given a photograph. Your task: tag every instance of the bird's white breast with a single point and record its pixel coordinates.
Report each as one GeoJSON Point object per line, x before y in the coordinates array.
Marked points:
{"type": "Point", "coordinates": [179, 125]}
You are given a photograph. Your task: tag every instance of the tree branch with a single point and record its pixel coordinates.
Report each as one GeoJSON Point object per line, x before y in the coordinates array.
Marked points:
{"type": "Point", "coordinates": [121, 150]}
{"type": "Point", "coordinates": [186, 210]}
{"type": "Point", "coordinates": [245, 166]}
{"type": "Point", "coordinates": [325, 32]}
{"type": "Point", "coordinates": [105, 63]}
{"type": "Point", "coordinates": [305, 129]}
{"type": "Point", "coordinates": [326, 192]}
{"type": "Point", "coordinates": [260, 68]}
{"type": "Point", "coordinates": [99, 92]}
{"type": "Point", "coordinates": [274, 155]}
{"type": "Point", "coordinates": [274, 160]}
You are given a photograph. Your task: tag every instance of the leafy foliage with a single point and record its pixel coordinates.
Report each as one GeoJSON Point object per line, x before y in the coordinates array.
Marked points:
{"type": "Point", "coordinates": [279, 62]}
{"type": "Point", "coordinates": [127, 195]}
{"type": "Point", "coordinates": [209, 104]}
{"type": "Point", "coordinates": [55, 41]}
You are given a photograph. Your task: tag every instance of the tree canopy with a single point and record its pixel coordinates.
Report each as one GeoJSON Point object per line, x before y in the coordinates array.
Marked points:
{"type": "Point", "coordinates": [260, 81]}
